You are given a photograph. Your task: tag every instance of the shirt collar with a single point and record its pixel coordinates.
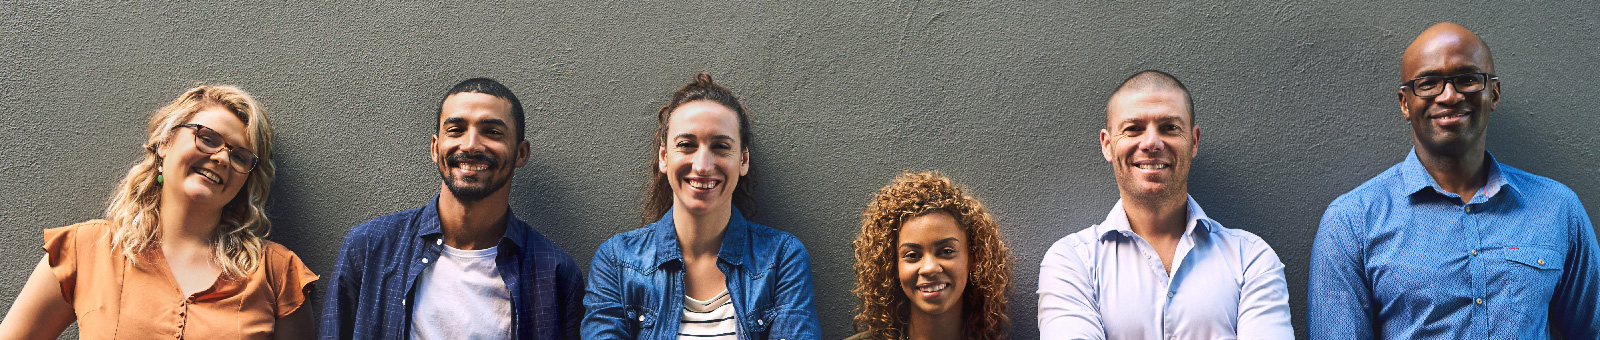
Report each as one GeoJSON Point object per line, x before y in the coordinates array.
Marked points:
{"type": "Point", "coordinates": [1116, 222]}
{"type": "Point", "coordinates": [732, 251]}
{"type": "Point", "coordinates": [1415, 177]}
{"type": "Point", "coordinates": [430, 229]}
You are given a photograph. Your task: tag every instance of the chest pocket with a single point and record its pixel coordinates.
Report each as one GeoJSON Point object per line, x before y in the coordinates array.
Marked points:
{"type": "Point", "coordinates": [756, 322]}
{"type": "Point", "coordinates": [1533, 274]}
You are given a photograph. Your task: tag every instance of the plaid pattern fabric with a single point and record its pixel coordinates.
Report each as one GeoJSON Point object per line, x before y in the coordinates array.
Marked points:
{"type": "Point", "coordinates": [373, 281]}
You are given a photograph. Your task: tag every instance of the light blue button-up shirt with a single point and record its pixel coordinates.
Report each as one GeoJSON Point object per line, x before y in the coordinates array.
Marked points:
{"type": "Point", "coordinates": [1401, 258]}
{"type": "Point", "coordinates": [1106, 282]}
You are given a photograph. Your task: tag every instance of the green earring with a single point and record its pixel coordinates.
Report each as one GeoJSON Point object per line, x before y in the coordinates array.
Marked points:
{"type": "Point", "coordinates": [158, 178]}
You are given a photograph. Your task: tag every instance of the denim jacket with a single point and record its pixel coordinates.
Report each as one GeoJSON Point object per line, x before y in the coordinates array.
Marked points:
{"type": "Point", "coordinates": [636, 291]}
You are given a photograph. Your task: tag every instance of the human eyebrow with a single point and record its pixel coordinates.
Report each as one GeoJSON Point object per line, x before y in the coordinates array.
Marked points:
{"type": "Point", "coordinates": [453, 120]}
{"type": "Point", "coordinates": [947, 241]}
{"type": "Point", "coordinates": [494, 121]}
{"type": "Point", "coordinates": [1457, 70]}
{"type": "Point", "coordinates": [910, 245]}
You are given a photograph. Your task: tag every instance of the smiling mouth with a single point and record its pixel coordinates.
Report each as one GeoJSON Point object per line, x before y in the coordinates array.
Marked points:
{"type": "Point", "coordinates": [703, 184]}
{"type": "Point", "coordinates": [934, 287]}
{"type": "Point", "coordinates": [214, 177]}
{"type": "Point", "coordinates": [1152, 166]}
{"type": "Point", "coordinates": [475, 167]}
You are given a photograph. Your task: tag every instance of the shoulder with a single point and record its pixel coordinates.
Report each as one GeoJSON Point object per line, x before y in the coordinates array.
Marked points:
{"type": "Point", "coordinates": [89, 236]}
{"type": "Point", "coordinates": [383, 227]}
{"type": "Point", "coordinates": [283, 264]}
{"type": "Point", "coordinates": [629, 246]}
{"type": "Point", "coordinates": [767, 235]}
{"type": "Point", "coordinates": [1074, 249]}
{"type": "Point", "coordinates": [1377, 189]}
{"type": "Point", "coordinates": [86, 229]}
{"type": "Point", "coordinates": [1246, 242]}
{"type": "Point", "coordinates": [1539, 188]}
{"type": "Point", "coordinates": [536, 245]}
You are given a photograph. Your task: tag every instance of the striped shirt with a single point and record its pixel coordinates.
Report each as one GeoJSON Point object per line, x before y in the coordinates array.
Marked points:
{"type": "Point", "coordinates": [712, 319]}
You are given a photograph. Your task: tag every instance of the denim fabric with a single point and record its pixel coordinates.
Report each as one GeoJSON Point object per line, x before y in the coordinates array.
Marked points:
{"type": "Point", "coordinates": [374, 280]}
{"type": "Point", "coordinates": [636, 283]}
{"type": "Point", "coordinates": [1401, 258]}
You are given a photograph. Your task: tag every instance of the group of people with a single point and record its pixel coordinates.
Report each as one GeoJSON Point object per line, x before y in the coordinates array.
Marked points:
{"type": "Point", "coordinates": [1447, 244]}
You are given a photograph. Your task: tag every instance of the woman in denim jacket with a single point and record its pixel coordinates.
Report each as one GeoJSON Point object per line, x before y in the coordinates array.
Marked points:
{"type": "Point", "coordinates": [698, 267]}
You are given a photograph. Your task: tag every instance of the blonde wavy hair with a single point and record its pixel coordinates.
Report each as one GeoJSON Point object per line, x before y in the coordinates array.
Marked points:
{"type": "Point", "coordinates": [884, 307]}
{"type": "Point", "coordinates": [134, 207]}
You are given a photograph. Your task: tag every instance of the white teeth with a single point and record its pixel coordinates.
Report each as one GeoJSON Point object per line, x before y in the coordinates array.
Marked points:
{"type": "Point", "coordinates": [474, 167]}
{"type": "Point", "coordinates": [211, 176]}
{"type": "Point", "coordinates": [1152, 166]}
{"type": "Point", "coordinates": [702, 185]}
{"type": "Point", "coordinates": [935, 288]}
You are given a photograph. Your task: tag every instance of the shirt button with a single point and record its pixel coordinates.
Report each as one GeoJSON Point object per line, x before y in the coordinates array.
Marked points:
{"type": "Point", "coordinates": [1474, 252]}
{"type": "Point", "coordinates": [1170, 294]}
{"type": "Point", "coordinates": [641, 318]}
{"type": "Point", "coordinates": [1469, 208]}
{"type": "Point", "coordinates": [760, 322]}
{"type": "Point", "coordinates": [424, 261]}
{"type": "Point", "coordinates": [1480, 301]}
{"type": "Point", "coordinates": [438, 241]}
{"type": "Point", "coordinates": [1541, 262]}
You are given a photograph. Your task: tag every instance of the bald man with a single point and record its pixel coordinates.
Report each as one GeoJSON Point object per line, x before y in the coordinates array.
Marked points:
{"type": "Point", "coordinates": [1158, 268]}
{"type": "Point", "coordinates": [1450, 244]}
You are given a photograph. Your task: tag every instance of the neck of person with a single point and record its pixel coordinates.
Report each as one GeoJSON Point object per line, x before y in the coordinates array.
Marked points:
{"type": "Point", "coordinates": [473, 225]}
{"type": "Point", "coordinates": [924, 326]}
{"type": "Point", "coordinates": [186, 228]}
{"type": "Point", "coordinates": [700, 235]}
{"type": "Point", "coordinates": [1462, 173]}
{"type": "Point", "coordinates": [1158, 218]}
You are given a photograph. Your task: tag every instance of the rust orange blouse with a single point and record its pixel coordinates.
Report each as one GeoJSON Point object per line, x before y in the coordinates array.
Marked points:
{"type": "Point", "coordinates": [115, 299]}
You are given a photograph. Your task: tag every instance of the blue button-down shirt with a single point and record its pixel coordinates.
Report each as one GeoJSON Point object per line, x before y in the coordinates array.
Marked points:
{"type": "Point", "coordinates": [374, 279]}
{"type": "Point", "coordinates": [636, 283]}
{"type": "Point", "coordinates": [1106, 282]}
{"type": "Point", "coordinates": [1401, 258]}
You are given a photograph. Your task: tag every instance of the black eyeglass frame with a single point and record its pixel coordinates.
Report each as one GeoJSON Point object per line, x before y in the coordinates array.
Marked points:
{"type": "Point", "coordinates": [1450, 80]}
{"type": "Point", "coordinates": [232, 150]}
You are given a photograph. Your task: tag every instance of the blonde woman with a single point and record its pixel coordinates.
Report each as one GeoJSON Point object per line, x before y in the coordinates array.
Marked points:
{"type": "Point", "coordinates": [180, 252]}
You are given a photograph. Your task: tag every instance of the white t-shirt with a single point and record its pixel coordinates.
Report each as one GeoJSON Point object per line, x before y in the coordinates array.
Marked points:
{"type": "Point", "coordinates": [712, 319]}
{"type": "Point", "coordinates": [461, 296]}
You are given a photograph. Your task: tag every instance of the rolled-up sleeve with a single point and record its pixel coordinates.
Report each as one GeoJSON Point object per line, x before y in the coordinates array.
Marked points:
{"type": "Point", "coordinates": [1067, 303]}
{"type": "Point", "coordinates": [1264, 297]}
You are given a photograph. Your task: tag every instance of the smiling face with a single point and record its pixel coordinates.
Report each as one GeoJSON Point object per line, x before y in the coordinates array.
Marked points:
{"type": "Point", "coordinates": [703, 157]}
{"type": "Point", "coordinates": [192, 176]}
{"type": "Point", "coordinates": [476, 147]}
{"type": "Point", "coordinates": [1451, 123]}
{"type": "Point", "coordinates": [933, 262]}
{"type": "Point", "coordinates": [1150, 142]}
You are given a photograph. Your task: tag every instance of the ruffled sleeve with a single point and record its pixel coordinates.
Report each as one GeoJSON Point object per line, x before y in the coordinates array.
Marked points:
{"type": "Point", "coordinates": [290, 279]}
{"type": "Point", "coordinates": [66, 246]}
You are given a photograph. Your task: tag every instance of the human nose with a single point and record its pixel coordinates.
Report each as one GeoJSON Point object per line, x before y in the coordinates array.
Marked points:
{"type": "Point", "coordinates": [930, 267]}
{"type": "Point", "coordinates": [1449, 95]}
{"type": "Point", "coordinates": [1151, 141]}
{"type": "Point", "coordinates": [472, 142]}
{"type": "Point", "coordinates": [703, 162]}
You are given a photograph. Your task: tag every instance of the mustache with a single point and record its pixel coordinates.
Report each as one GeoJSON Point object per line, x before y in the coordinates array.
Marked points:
{"type": "Point", "coordinates": [478, 157]}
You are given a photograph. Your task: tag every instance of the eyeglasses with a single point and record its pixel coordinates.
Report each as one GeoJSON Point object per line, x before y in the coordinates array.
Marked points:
{"type": "Point", "coordinates": [210, 142]}
{"type": "Point", "coordinates": [1429, 86]}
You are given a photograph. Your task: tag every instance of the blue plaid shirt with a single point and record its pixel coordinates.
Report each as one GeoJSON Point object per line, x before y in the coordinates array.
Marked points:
{"type": "Point", "coordinates": [1401, 258]}
{"type": "Point", "coordinates": [374, 280]}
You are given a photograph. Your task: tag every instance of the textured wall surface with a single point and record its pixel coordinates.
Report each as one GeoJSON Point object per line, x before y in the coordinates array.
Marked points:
{"type": "Point", "coordinates": [1297, 101]}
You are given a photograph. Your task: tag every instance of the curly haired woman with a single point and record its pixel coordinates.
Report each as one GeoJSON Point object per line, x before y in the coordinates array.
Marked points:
{"type": "Point", "coordinates": [930, 263]}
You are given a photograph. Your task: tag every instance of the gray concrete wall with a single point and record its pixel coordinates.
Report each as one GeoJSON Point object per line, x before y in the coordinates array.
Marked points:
{"type": "Point", "coordinates": [1297, 100]}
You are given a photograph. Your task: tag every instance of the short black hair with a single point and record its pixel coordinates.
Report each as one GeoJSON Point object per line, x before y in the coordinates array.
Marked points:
{"type": "Point", "coordinates": [489, 87]}
{"type": "Point", "coordinates": [1155, 80]}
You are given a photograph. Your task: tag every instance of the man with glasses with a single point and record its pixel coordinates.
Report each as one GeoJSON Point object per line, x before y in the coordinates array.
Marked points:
{"type": "Point", "coordinates": [1450, 244]}
{"type": "Point", "coordinates": [1158, 267]}
{"type": "Point", "coordinates": [462, 267]}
